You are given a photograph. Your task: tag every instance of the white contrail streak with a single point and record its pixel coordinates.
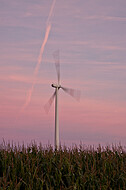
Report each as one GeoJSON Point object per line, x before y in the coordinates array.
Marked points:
{"type": "Point", "coordinates": [51, 11]}
{"type": "Point", "coordinates": [42, 48]}
{"type": "Point", "coordinates": [48, 28]}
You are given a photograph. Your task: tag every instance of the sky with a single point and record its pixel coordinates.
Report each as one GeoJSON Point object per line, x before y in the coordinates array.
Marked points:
{"type": "Point", "coordinates": [91, 38]}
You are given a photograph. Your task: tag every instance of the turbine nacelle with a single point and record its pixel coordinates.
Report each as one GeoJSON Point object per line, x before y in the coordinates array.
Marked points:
{"type": "Point", "coordinates": [56, 86]}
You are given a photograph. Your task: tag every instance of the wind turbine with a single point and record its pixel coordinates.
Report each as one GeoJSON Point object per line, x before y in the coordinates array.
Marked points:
{"type": "Point", "coordinates": [74, 93]}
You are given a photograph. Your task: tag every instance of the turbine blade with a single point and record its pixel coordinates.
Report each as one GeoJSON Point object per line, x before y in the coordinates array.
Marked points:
{"type": "Point", "coordinates": [57, 64]}
{"type": "Point", "coordinates": [74, 93]}
{"type": "Point", "coordinates": [49, 103]}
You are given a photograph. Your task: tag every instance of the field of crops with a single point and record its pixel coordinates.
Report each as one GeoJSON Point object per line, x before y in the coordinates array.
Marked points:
{"type": "Point", "coordinates": [36, 167]}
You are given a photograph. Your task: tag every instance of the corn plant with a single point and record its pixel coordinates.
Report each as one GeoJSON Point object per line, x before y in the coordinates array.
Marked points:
{"type": "Point", "coordinates": [40, 168]}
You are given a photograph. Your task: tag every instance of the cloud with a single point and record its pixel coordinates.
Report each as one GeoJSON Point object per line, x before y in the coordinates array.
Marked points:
{"type": "Point", "coordinates": [28, 14]}
{"type": "Point", "coordinates": [23, 79]}
{"type": "Point", "coordinates": [111, 18]}
{"type": "Point", "coordinates": [97, 44]}
{"type": "Point", "coordinates": [105, 18]}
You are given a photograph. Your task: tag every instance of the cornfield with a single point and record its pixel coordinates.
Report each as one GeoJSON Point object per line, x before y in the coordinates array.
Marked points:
{"type": "Point", "coordinates": [40, 168]}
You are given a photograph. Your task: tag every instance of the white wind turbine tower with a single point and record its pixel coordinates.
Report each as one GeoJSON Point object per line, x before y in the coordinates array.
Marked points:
{"type": "Point", "coordinates": [74, 93]}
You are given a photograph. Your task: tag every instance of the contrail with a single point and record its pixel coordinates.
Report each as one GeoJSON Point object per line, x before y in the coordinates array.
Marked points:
{"type": "Point", "coordinates": [28, 98]}
{"type": "Point", "coordinates": [42, 48]}
{"type": "Point", "coordinates": [51, 11]}
{"type": "Point", "coordinates": [48, 28]}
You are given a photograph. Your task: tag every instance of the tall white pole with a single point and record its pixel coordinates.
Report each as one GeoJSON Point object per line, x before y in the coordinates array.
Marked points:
{"type": "Point", "coordinates": [56, 121]}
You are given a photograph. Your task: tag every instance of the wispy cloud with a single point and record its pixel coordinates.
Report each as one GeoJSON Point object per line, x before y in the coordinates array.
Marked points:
{"type": "Point", "coordinates": [29, 80]}
{"type": "Point", "coordinates": [23, 79]}
{"type": "Point", "coordinates": [106, 18]}
{"type": "Point", "coordinates": [97, 44]}
{"type": "Point", "coordinates": [22, 14]}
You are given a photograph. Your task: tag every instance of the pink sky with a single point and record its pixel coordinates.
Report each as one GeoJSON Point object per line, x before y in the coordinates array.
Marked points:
{"type": "Point", "coordinates": [91, 37]}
